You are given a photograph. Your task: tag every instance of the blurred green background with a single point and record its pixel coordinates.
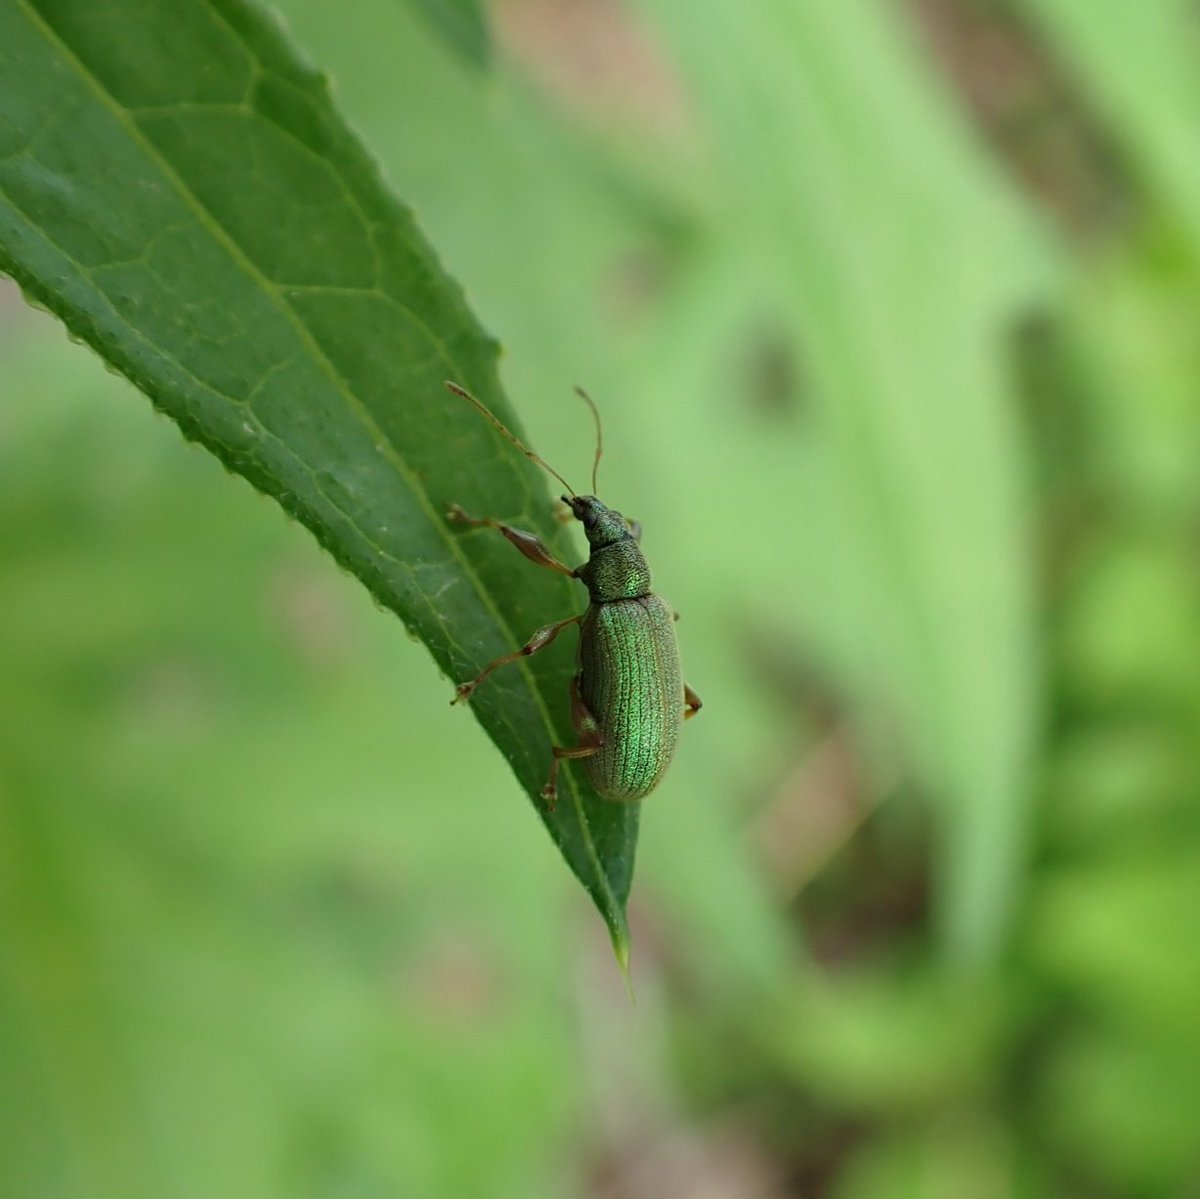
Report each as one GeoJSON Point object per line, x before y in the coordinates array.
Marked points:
{"type": "Point", "coordinates": [890, 308]}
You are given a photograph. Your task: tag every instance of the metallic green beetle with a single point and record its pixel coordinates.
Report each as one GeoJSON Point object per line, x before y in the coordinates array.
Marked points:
{"type": "Point", "coordinates": [628, 697]}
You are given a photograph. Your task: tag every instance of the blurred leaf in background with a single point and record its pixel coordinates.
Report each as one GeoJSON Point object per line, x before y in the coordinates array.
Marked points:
{"type": "Point", "coordinates": [890, 309]}
{"type": "Point", "coordinates": [462, 23]}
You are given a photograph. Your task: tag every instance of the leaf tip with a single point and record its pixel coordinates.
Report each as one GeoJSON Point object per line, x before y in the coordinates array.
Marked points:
{"type": "Point", "coordinates": [620, 944]}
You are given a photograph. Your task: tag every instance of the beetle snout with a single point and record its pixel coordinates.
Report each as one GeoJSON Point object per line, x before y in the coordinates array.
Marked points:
{"type": "Point", "coordinates": [583, 507]}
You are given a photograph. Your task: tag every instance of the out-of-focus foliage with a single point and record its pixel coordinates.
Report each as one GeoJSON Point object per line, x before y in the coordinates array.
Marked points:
{"type": "Point", "coordinates": [462, 23]}
{"type": "Point", "coordinates": [891, 311]}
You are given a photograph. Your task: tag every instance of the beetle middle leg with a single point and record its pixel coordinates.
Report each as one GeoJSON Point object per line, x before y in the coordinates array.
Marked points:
{"type": "Point", "coordinates": [591, 741]}
{"type": "Point", "coordinates": [691, 702]}
{"type": "Point", "coordinates": [540, 639]}
{"type": "Point", "coordinates": [530, 545]}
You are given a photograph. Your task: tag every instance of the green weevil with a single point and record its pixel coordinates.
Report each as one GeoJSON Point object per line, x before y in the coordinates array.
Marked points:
{"type": "Point", "coordinates": [628, 698]}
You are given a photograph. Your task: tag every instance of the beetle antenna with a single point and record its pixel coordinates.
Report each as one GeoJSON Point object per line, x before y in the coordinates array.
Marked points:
{"type": "Point", "coordinates": [485, 411]}
{"type": "Point", "coordinates": [587, 399]}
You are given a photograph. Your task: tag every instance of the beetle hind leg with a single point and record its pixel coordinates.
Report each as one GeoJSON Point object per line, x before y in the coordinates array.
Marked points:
{"type": "Point", "coordinates": [691, 702]}
{"type": "Point", "coordinates": [591, 742]}
{"type": "Point", "coordinates": [550, 790]}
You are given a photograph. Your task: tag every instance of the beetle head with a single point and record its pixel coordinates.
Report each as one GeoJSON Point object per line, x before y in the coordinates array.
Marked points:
{"type": "Point", "coordinates": [602, 525]}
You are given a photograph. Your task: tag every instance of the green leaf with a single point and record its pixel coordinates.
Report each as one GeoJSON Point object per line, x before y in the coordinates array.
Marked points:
{"type": "Point", "coordinates": [462, 24]}
{"type": "Point", "coordinates": [176, 186]}
{"type": "Point", "coordinates": [902, 505]}
{"type": "Point", "coordinates": [1136, 65]}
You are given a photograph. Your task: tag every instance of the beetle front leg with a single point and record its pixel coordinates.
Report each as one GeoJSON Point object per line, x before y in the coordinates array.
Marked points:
{"type": "Point", "coordinates": [691, 702]}
{"type": "Point", "coordinates": [591, 742]}
{"type": "Point", "coordinates": [531, 546]}
{"type": "Point", "coordinates": [538, 641]}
